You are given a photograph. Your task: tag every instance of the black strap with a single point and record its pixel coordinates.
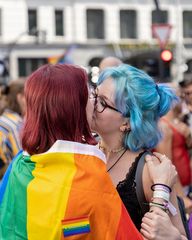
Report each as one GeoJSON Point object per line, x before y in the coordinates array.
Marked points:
{"type": "Point", "coordinates": [183, 216]}
{"type": "Point", "coordinates": [139, 183]}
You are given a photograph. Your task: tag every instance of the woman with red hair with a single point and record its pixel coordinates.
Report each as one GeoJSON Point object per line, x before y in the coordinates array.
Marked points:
{"type": "Point", "coordinates": [56, 98]}
{"type": "Point", "coordinates": [54, 188]}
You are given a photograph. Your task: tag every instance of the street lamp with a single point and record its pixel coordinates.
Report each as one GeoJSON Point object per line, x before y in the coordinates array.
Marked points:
{"type": "Point", "coordinates": [39, 37]}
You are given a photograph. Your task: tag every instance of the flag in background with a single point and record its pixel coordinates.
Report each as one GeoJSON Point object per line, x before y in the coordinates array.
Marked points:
{"type": "Point", "coordinates": [64, 193]}
{"type": "Point", "coordinates": [63, 58]}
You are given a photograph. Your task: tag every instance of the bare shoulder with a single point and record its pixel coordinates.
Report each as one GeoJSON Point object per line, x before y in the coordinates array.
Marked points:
{"type": "Point", "coordinates": [165, 129]}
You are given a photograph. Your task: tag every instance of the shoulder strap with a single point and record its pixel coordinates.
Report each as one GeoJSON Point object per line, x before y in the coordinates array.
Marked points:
{"type": "Point", "coordinates": [139, 184]}
{"type": "Point", "coordinates": [183, 216]}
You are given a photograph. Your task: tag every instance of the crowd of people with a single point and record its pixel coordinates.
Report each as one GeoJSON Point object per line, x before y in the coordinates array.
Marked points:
{"type": "Point", "coordinates": [122, 184]}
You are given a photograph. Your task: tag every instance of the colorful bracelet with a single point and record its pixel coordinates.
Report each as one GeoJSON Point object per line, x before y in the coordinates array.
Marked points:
{"type": "Point", "coordinates": [162, 185]}
{"type": "Point", "coordinates": [167, 205]}
{"type": "Point", "coordinates": [160, 188]}
{"type": "Point", "coordinates": [162, 206]}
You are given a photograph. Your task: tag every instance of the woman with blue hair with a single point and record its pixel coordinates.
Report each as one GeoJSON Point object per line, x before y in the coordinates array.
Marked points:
{"type": "Point", "coordinates": [127, 109]}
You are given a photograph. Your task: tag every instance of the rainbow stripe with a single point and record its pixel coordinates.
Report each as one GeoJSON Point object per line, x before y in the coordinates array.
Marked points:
{"type": "Point", "coordinates": [47, 196]}
{"type": "Point", "coordinates": [56, 59]}
{"type": "Point", "coordinates": [76, 226]}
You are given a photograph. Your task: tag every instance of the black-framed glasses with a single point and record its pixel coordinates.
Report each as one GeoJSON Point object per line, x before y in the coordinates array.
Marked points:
{"type": "Point", "coordinates": [100, 103]}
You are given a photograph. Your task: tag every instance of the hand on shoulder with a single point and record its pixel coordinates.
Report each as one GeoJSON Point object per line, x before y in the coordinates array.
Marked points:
{"type": "Point", "coordinates": [161, 169]}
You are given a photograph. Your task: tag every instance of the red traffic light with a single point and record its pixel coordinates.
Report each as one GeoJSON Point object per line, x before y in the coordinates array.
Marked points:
{"type": "Point", "coordinates": [166, 55]}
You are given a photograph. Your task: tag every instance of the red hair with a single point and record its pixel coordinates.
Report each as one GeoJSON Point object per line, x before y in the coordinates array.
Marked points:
{"type": "Point", "coordinates": [56, 99]}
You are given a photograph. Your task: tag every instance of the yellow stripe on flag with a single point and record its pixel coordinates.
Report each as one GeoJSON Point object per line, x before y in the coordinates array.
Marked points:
{"type": "Point", "coordinates": [48, 194]}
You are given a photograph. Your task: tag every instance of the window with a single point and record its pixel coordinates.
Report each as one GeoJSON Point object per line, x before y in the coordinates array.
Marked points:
{"type": "Point", "coordinates": [95, 24]}
{"type": "Point", "coordinates": [28, 65]}
{"type": "Point", "coordinates": [128, 24]}
{"type": "Point", "coordinates": [189, 65]}
{"type": "Point", "coordinates": [32, 22]}
{"type": "Point", "coordinates": [59, 26]}
{"type": "Point", "coordinates": [187, 24]}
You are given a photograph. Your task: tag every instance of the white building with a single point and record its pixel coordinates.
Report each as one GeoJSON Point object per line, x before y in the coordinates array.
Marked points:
{"type": "Point", "coordinates": [33, 30]}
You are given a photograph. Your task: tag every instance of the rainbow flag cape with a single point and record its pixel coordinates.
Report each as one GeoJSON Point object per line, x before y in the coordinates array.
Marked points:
{"type": "Point", "coordinates": [64, 193]}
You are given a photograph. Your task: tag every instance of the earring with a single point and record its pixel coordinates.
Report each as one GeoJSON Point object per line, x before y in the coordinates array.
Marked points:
{"type": "Point", "coordinates": [125, 129]}
{"type": "Point", "coordinates": [128, 130]}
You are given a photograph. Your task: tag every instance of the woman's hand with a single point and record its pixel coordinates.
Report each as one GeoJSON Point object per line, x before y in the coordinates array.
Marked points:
{"type": "Point", "coordinates": [157, 225]}
{"type": "Point", "coordinates": [163, 172]}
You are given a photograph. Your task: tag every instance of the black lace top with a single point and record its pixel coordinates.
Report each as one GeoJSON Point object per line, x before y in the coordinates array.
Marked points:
{"type": "Point", "coordinates": [127, 192]}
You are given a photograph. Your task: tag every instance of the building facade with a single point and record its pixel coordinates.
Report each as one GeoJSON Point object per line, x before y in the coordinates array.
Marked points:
{"type": "Point", "coordinates": [32, 31]}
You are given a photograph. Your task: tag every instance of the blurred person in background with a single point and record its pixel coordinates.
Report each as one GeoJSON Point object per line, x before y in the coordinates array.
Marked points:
{"type": "Point", "coordinates": [109, 62]}
{"type": "Point", "coordinates": [186, 94]}
{"type": "Point", "coordinates": [11, 122]}
{"type": "Point", "coordinates": [3, 98]}
{"type": "Point", "coordinates": [175, 143]}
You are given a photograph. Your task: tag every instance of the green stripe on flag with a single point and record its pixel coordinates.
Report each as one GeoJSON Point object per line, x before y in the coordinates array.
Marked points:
{"type": "Point", "coordinates": [13, 210]}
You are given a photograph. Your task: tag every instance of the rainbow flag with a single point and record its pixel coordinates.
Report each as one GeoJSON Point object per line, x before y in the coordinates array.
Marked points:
{"type": "Point", "coordinates": [76, 226]}
{"type": "Point", "coordinates": [56, 59]}
{"type": "Point", "coordinates": [63, 58]}
{"type": "Point", "coordinates": [64, 193]}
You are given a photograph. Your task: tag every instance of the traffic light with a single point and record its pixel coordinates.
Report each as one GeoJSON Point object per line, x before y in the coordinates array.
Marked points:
{"type": "Point", "coordinates": [166, 57]}
{"type": "Point", "coordinates": [156, 63]}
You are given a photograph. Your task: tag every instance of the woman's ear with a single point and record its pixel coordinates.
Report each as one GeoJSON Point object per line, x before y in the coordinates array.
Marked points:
{"type": "Point", "coordinates": [125, 127]}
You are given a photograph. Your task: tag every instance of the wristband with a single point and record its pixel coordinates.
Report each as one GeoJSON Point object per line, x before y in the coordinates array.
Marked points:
{"type": "Point", "coordinates": [161, 194]}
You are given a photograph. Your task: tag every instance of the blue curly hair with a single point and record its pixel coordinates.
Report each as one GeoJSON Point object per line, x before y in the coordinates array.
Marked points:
{"type": "Point", "coordinates": [141, 100]}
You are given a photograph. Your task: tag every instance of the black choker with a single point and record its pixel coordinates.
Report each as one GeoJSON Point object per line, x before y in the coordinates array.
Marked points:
{"type": "Point", "coordinates": [117, 160]}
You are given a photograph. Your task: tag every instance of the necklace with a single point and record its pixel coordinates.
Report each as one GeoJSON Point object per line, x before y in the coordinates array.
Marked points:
{"type": "Point", "coordinates": [117, 160]}
{"type": "Point", "coordinates": [110, 150]}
